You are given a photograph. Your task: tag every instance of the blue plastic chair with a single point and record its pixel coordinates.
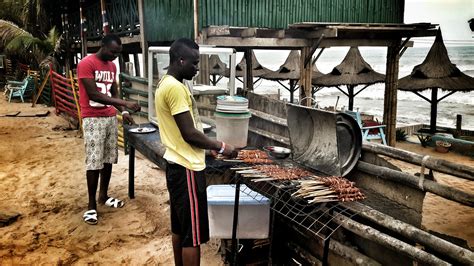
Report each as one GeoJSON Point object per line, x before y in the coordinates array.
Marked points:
{"type": "Point", "coordinates": [23, 91]}
{"type": "Point", "coordinates": [366, 134]}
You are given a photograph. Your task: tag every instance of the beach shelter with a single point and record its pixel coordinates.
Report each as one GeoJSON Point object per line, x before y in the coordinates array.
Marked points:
{"type": "Point", "coordinates": [352, 71]}
{"type": "Point", "coordinates": [290, 70]}
{"type": "Point", "coordinates": [217, 69]}
{"type": "Point", "coordinates": [436, 72]}
{"type": "Point", "coordinates": [257, 69]}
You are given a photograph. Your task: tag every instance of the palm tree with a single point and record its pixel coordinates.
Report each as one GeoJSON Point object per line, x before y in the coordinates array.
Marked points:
{"type": "Point", "coordinates": [19, 43]}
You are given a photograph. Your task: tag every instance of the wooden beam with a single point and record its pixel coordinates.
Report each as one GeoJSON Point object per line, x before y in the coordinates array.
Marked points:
{"type": "Point", "coordinates": [310, 34]}
{"type": "Point", "coordinates": [249, 32]}
{"type": "Point", "coordinates": [461, 255]}
{"type": "Point", "coordinates": [313, 49]}
{"type": "Point", "coordinates": [319, 54]}
{"type": "Point", "coordinates": [391, 87]}
{"type": "Point", "coordinates": [258, 43]}
{"type": "Point", "coordinates": [217, 31]}
{"type": "Point", "coordinates": [142, 39]}
{"type": "Point", "coordinates": [388, 241]}
{"type": "Point", "coordinates": [444, 191]}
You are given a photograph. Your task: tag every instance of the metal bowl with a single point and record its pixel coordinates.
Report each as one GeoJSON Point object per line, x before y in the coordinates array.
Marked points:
{"type": "Point", "coordinates": [206, 127]}
{"type": "Point", "coordinates": [277, 152]}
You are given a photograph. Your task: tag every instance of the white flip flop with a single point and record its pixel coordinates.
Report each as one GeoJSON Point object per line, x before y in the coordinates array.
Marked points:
{"type": "Point", "coordinates": [114, 203]}
{"type": "Point", "coordinates": [90, 217]}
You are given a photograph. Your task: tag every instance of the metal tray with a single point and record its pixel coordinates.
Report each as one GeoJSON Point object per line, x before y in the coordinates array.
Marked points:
{"type": "Point", "coordinates": [327, 142]}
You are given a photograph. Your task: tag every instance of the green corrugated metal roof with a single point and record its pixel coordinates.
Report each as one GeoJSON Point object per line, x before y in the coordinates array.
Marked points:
{"type": "Point", "coordinates": [166, 20]}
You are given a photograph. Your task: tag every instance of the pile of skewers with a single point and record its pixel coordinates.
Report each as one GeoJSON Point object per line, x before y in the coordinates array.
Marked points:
{"type": "Point", "coordinates": [251, 157]}
{"type": "Point", "coordinates": [326, 189]}
{"type": "Point", "coordinates": [272, 172]}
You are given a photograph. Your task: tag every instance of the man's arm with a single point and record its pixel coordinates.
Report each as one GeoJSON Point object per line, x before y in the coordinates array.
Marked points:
{"type": "Point", "coordinates": [126, 117]}
{"type": "Point", "coordinates": [196, 138]}
{"type": "Point", "coordinates": [96, 96]}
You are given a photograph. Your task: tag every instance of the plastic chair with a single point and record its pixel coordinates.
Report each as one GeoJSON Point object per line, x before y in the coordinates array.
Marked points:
{"type": "Point", "coordinates": [12, 85]}
{"type": "Point", "coordinates": [367, 131]}
{"type": "Point", "coordinates": [22, 91]}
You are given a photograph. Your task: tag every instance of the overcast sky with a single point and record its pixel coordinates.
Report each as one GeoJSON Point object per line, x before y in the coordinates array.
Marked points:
{"type": "Point", "coordinates": [451, 15]}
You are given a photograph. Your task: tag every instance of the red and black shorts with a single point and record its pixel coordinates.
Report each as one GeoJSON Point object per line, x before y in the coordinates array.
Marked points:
{"type": "Point", "coordinates": [188, 201]}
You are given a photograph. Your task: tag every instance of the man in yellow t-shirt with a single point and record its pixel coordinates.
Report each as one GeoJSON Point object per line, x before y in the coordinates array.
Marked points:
{"type": "Point", "coordinates": [181, 133]}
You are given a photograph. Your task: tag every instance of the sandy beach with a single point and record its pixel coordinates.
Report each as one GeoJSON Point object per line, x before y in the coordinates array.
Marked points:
{"type": "Point", "coordinates": [42, 178]}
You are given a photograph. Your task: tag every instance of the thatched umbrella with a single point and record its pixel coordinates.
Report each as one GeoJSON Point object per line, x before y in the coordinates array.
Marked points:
{"type": "Point", "coordinates": [436, 72]}
{"type": "Point", "coordinates": [257, 69]}
{"type": "Point", "coordinates": [352, 71]}
{"type": "Point", "coordinates": [290, 70]}
{"type": "Point", "coordinates": [217, 68]}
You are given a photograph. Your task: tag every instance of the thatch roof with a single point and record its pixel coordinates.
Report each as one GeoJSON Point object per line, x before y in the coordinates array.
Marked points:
{"type": "Point", "coordinates": [437, 71]}
{"type": "Point", "coordinates": [257, 69]}
{"type": "Point", "coordinates": [290, 70]}
{"type": "Point", "coordinates": [316, 74]}
{"type": "Point", "coordinates": [353, 70]}
{"type": "Point", "coordinates": [216, 66]}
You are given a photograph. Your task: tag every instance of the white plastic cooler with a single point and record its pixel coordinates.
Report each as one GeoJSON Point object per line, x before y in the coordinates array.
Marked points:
{"type": "Point", "coordinates": [254, 213]}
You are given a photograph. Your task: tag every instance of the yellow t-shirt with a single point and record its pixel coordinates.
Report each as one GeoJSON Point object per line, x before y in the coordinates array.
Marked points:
{"type": "Point", "coordinates": [171, 98]}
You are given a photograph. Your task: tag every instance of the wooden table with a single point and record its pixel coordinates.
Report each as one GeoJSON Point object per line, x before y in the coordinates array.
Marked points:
{"type": "Point", "coordinates": [148, 144]}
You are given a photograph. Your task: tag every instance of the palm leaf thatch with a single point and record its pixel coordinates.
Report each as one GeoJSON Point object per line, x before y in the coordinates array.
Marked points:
{"type": "Point", "coordinates": [437, 71]}
{"type": "Point", "coordinates": [8, 32]}
{"type": "Point", "coordinates": [257, 69]}
{"type": "Point", "coordinates": [290, 70]}
{"type": "Point", "coordinates": [216, 66]}
{"type": "Point", "coordinates": [353, 70]}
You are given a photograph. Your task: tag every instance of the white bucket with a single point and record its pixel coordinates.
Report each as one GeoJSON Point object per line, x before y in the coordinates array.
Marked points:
{"type": "Point", "coordinates": [232, 128]}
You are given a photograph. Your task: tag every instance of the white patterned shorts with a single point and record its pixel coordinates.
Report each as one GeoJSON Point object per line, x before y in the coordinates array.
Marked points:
{"type": "Point", "coordinates": [100, 139]}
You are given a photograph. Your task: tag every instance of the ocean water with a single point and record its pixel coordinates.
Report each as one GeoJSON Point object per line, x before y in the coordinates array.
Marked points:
{"type": "Point", "coordinates": [411, 109]}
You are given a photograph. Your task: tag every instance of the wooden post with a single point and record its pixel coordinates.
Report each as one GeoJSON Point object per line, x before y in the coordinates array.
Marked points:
{"type": "Point", "coordinates": [137, 65]}
{"type": "Point", "coordinates": [434, 109]}
{"type": "Point", "coordinates": [458, 125]}
{"type": "Point", "coordinates": [83, 31]}
{"type": "Point", "coordinates": [203, 77]}
{"type": "Point", "coordinates": [305, 76]}
{"type": "Point", "coordinates": [105, 22]}
{"type": "Point", "coordinates": [292, 90]}
{"type": "Point", "coordinates": [249, 69]}
{"type": "Point", "coordinates": [350, 91]}
{"type": "Point", "coordinates": [143, 41]}
{"type": "Point", "coordinates": [196, 19]}
{"type": "Point", "coordinates": [391, 86]}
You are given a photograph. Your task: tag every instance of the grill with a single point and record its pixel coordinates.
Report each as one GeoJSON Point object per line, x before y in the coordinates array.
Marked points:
{"type": "Point", "coordinates": [323, 143]}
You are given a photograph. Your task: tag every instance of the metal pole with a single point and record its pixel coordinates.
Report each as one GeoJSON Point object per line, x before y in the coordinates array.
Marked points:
{"type": "Point", "coordinates": [235, 224]}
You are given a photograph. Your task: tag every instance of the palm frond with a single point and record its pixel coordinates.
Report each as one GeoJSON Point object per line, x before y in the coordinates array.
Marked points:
{"type": "Point", "coordinates": [9, 31]}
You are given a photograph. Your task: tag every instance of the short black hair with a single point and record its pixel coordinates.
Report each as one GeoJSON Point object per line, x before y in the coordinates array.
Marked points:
{"type": "Point", "coordinates": [109, 38]}
{"type": "Point", "coordinates": [176, 49]}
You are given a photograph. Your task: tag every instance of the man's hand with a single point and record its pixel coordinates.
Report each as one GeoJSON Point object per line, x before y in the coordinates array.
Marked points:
{"type": "Point", "coordinates": [229, 151]}
{"type": "Point", "coordinates": [127, 119]}
{"type": "Point", "coordinates": [133, 106]}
